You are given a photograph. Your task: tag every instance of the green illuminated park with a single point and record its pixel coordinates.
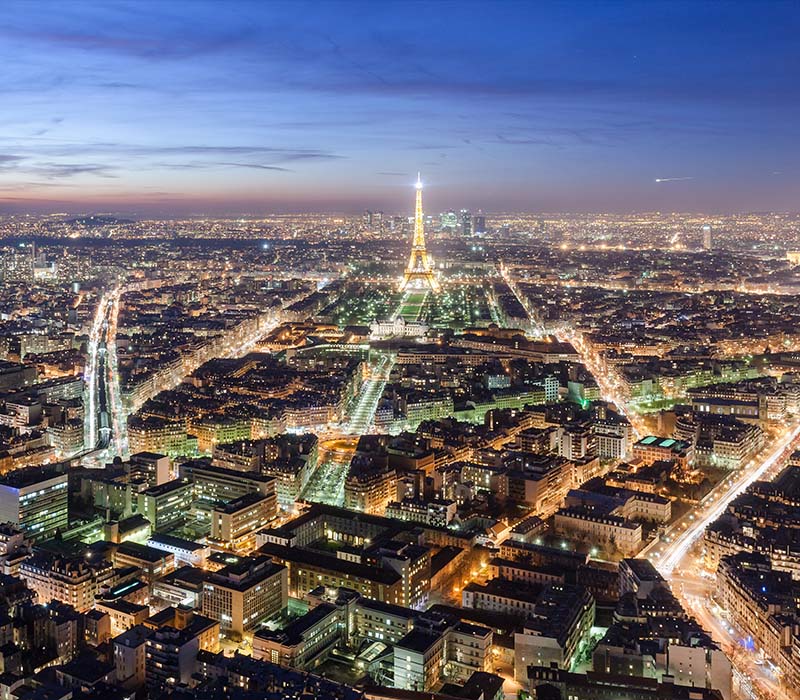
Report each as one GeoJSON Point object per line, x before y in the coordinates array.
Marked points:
{"type": "Point", "coordinates": [453, 307]}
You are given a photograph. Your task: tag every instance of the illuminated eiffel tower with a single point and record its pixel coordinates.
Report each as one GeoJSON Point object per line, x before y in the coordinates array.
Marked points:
{"type": "Point", "coordinates": [419, 273]}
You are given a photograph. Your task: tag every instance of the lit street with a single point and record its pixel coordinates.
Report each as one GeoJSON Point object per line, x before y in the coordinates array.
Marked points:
{"type": "Point", "coordinates": [669, 556]}
{"type": "Point", "coordinates": [366, 402]}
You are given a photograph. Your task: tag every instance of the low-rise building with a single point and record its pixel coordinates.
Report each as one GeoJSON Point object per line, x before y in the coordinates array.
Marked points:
{"type": "Point", "coordinates": [123, 614]}
{"type": "Point", "coordinates": [308, 569]}
{"type": "Point", "coordinates": [560, 620]}
{"type": "Point", "coordinates": [610, 531]}
{"type": "Point", "coordinates": [35, 499]}
{"type": "Point", "coordinates": [14, 548]}
{"type": "Point", "coordinates": [438, 648]}
{"type": "Point", "coordinates": [431, 512]}
{"type": "Point", "coordinates": [369, 489]}
{"type": "Point", "coordinates": [243, 595]}
{"type": "Point", "coordinates": [74, 581]}
{"type": "Point", "coordinates": [167, 505]}
{"type": "Point", "coordinates": [185, 552]}
{"type": "Point", "coordinates": [234, 524]}
{"type": "Point", "coordinates": [760, 601]}
{"type": "Point", "coordinates": [154, 563]}
{"type": "Point", "coordinates": [305, 642]}
{"type": "Point", "coordinates": [654, 449]}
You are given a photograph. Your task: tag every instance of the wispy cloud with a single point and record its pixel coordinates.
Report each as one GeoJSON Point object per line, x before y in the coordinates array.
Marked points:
{"type": "Point", "coordinates": [204, 165]}
{"type": "Point", "coordinates": [276, 154]}
{"type": "Point", "coordinates": [51, 170]}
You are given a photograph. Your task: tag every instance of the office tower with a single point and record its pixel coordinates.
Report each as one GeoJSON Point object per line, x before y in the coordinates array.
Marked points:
{"type": "Point", "coordinates": [707, 244]}
{"type": "Point", "coordinates": [466, 223]}
{"type": "Point", "coordinates": [448, 220]}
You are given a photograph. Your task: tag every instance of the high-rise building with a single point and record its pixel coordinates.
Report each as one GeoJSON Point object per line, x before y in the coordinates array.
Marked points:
{"type": "Point", "coordinates": [170, 655]}
{"type": "Point", "coordinates": [479, 224]}
{"type": "Point", "coordinates": [35, 499]}
{"type": "Point", "coordinates": [373, 219]}
{"type": "Point", "coordinates": [419, 273]}
{"type": "Point", "coordinates": [466, 223]}
{"type": "Point", "coordinates": [448, 220]}
{"type": "Point", "coordinates": [707, 243]}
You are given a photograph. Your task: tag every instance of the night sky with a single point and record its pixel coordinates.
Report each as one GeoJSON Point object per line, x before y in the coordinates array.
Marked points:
{"type": "Point", "coordinates": [252, 107]}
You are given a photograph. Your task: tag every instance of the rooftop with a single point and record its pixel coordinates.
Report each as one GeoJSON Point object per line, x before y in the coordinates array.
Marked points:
{"type": "Point", "coordinates": [332, 563]}
{"type": "Point", "coordinates": [176, 542]}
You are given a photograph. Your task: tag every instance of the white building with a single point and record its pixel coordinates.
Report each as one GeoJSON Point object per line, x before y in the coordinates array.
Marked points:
{"type": "Point", "coordinates": [395, 327]}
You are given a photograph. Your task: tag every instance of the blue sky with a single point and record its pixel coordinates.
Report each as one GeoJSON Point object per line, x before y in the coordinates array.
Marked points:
{"type": "Point", "coordinates": [193, 107]}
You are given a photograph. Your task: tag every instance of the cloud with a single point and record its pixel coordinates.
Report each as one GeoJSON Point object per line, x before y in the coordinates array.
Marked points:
{"type": "Point", "coordinates": [157, 44]}
{"type": "Point", "coordinates": [525, 141]}
{"type": "Point", "coordinates": [257, 166]}
{"type": "Point", "coordinates": [51, 170]}
{"type": "Point", "coordinates": [200, 165]}
{"type": "Point", "coordinates": [120, 85]}
{"type": "Point", "coordinates": [130, 149]}
{"type": "Point", "coordinates": [57, 170]}
{"type": "Point", "coordinates": [65, 160]}
{"type": "Point", "coordinates": [20, 185]}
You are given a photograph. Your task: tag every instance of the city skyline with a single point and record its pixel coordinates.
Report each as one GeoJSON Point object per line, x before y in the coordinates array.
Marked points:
{"type": "Point", "coordinates": [243, 108]}
{"type": "Point", "coordinates": [376, 350]}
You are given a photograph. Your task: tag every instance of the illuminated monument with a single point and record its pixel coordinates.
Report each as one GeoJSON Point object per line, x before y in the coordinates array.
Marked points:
{"type": "Point", "coordinates": [419, 274]}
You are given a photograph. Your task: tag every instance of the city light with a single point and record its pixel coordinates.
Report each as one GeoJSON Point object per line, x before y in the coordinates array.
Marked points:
{"type": "Point", "coordinates": [278, 417]}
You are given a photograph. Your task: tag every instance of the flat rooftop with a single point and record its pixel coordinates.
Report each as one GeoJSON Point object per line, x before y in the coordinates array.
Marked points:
{"type": "Point", "coordinates": [29, 476]}
{"type": "Point", "coordinates": [176, 542]}
{"type": "Point", "coordinates": [297, 555]}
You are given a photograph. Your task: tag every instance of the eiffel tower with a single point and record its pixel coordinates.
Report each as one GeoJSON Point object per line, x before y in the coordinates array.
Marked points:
{"type": "Point", "coordinates": [419, 274]}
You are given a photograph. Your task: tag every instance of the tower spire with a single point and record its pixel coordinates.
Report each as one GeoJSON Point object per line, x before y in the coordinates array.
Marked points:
{"type": "Point", "coordinates": [418, 271]}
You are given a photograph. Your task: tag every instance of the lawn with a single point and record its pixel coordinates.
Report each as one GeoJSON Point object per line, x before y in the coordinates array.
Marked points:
{"type": "Point", "coordinates": [412, 305]}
